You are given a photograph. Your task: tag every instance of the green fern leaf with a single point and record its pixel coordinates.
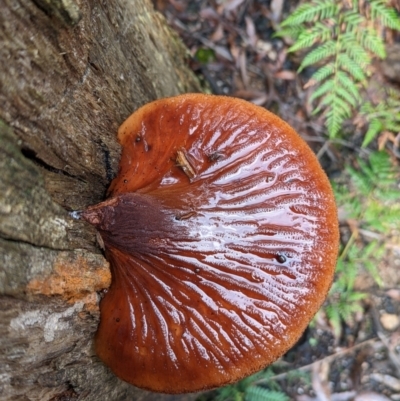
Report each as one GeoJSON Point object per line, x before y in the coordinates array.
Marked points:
{"type": "Point", "coordinates": [387, 15]}
{"type": "Point", "coordinates": [374, 128]}
{"type": "Point", "coordinates": [374, 272]}
{"type": "Point", "coordinates": [385, 116]}
{"type": "Point", "coordinates": [342, 36]}
{"type": "Point", "coordinates": [360, 181]}
{"type": "Point", "coordinates": [324, 51]}
{"type": "Point", "coordinates": [355, 51]}
{"type": "Point", "coordinates": [325, 88]}
{"type": "Point", "coordinates": [334, 319]}
{"type": "Point", "coordinates": [316, 10]}
{"type": "Point", "coordinates": [337, 108]}
{"type": "Point", "coordinates": [323, 72]}
{"type": "Point", "coordinates": [228, 393]}
{"type": "Point", "coordinates": [356, 296]}
{"type": "Point", "coordinates": [354, 69]}
{"type": "Point", "coordinates": [342, 107]}
{"type": "Point", "coordinates": [346, 82]}
{"type": "Point", "coordinates": [335, 116]}
{"type": "Point", "coordinates": [257, 393]}
{"type": "Point", "coordinates": [346, 96]}
{"type": "Point", "coordinates": [334, 123]}
{"type": "Point", "coordinates": [370, 39]}
{"type": "Point", "coordinates": [318, 33]}
{"type": "Point", "coordinates": [366, 171]}
{"type": "Point", "coordinates": [353, 20]}
{"type": "Point", "coordinates": [383, 170]}
{"type": "Point", "coordinates": [393, 126]}
{"type": "Point", "coordinates": [292, 31]}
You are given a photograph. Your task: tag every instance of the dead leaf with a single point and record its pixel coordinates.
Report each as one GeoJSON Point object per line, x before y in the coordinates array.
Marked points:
{"type": "Point", "coordinates": [208, 14]}
{"type": "Point", "coordinates": [243, 68]}
{"type": "Point", "coordinates": [343, 396]}
{"type": "Point", "coordinates": [251, 31]}
{"type": "Point", "coordinates": [320, 380]}
{"type": "Point", "coordinates": [231, 4]}
{"type": "Point", "coordinates": [286, 74]}
{"type": "Point", "coordinates": [394, 293]}
{"type": "Point", "coordinates": [384, 138]}
{"type": "Point", "coordinates": [389, 381]}
{"type": "Point", "coordinates": [309, 83]}
{"type": "Point", "coordinates": [235, 51]}
{"type": "Point", "coordinates": [259, 101]}
{"type": "Point", "coordinates": [263, 47]}
{"type": "Point", "coordinates": [305, 397]}
{"type": "Point", "coordinates": [371, 397]}
{"type": "Point", "coordinates": [276, 9]}
{"type": "Point", "coordinates": [218, 34]}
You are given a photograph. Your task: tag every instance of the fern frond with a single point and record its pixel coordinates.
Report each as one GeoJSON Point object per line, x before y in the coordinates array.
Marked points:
{"type": "Point", "coordinates": [338, 112]}
{"type": "Point", "coordinates": [325, 88]}
{"type": "Point", "coordinates": [353, 19]}
{"type": "Point", "coordinates": [228, 393]}
{"type": "Point", "coordinates": [385, 116]}
{"type": "Point", "coordinates": [346, 82]}
{"type": "Point", "coordinates": [353, 68]}
{"type": "Point", "coordinates": [291, 31]}
{"type": "Point", "coordinates": [334, 319]}
{"type": "Point", "coordinates": [324, 51]}
{"type": "Point", "coordinates": [387, 16]}
{"type": "Point", "coordinates": [347, 96]}
{"type": "Point", "coordinates": [323, 72]}
{"type": "Point", "coordinates": [257, 393]}
{"type": "Point", "coordinates": [380, 163]}
{"type": "Point", "coordinates": [355, 51]}
{"type": "Point", "coordinates": [374, 128]}
{"type": "Point", "coordinates": [316, 10]}
{"type": "Point", "coordinates": [309, 37]}
{"type": "Point", "coordinates": [370, 39]}
{"type": "Point", "coordinates": [342, 42]}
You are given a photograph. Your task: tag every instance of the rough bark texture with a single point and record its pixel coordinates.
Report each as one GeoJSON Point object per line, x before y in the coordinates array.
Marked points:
{"type": "Point", "coordinates": [71, 72]}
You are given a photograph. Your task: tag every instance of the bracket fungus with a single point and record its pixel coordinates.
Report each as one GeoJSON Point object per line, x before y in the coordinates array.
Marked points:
{"type": "Point", "coordinates": [221, 232]}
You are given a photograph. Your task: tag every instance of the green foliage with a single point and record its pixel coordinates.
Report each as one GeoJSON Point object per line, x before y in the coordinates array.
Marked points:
{"type": "Point", "coordinates": [383, 116]}
{"type": "Point", "coordinates": [373, 199]}
{"type": "Point", "coordinates": [341, 39]}
{"type": "Point", "coordinates": [257, 393]}
{"type": "Point", "coordinates": [205, 55]}
{"type": "Point", "coordinates": [249, 389]}
{"type": "Point", "coordinates": [371, 202]}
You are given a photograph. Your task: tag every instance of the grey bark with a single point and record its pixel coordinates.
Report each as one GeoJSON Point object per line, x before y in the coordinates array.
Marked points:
{"type": "Point", "coordinates": [71, 72]}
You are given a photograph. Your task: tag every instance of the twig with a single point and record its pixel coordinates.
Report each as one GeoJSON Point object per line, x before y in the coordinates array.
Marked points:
{"type": "Point", "coordinates": [328, 359]}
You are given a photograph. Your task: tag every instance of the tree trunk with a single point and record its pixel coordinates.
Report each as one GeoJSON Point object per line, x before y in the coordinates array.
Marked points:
{"type": "Point", "coordinates": [71, 72]}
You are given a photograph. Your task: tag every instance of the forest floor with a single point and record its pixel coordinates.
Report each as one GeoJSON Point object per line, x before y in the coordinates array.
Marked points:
{"type": "Point", "coordinates": [234, 51]}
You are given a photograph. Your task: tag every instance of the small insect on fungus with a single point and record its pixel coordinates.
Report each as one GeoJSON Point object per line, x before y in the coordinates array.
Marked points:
{"type": "Point", "coordinates": [183, 162]}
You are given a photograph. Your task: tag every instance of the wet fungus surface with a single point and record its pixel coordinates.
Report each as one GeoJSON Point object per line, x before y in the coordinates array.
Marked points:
{"type": "Point", "coordinates": [222, 236]}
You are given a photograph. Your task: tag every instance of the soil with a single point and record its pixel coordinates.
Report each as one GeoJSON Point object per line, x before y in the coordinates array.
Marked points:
{"type": "Point", "coordinates": [234, 51]}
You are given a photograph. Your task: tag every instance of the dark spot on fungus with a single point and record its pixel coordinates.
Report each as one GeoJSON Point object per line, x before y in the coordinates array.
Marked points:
{"type": "Point", "coordinates": [180, 333]}
{"type": "Point", "coordinates": [281, 258]}
{"type": "Point", "coordinates": [215, 156]}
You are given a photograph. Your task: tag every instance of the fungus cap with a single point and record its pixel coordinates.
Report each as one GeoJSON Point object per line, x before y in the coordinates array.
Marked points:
{"type": "Point", "coordinates": [222, 236]}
